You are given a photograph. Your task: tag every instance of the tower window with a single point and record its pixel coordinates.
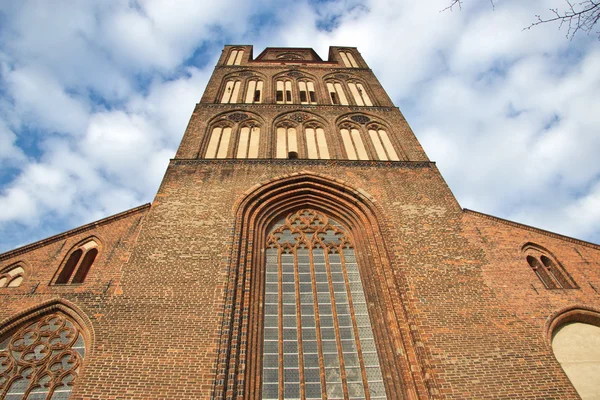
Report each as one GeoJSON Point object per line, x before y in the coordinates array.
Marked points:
{"type": "Point", "coordinates": [336, 92]}
{"type": "Point", "coordinates": [316, 144]}
{"type": "Point", "coordinates": [254, 91]}
{"type": "Point", "coordinates": [353, 144]}
{"type": "Point", "coordinates": [286, 142]}
{"type": "Point", "coordinates": [361, 98]}
{"type": "Point", "coordinates": [348, 59]}
{"type": "Point", "coordinates": [218, 146]}
{"type": "Point", "coordinates": [307, 92]}
{"type": "Point", "coordinates": [249, 142]}
{"type": "Point", "coordinates": [382, 144]}
{"type": "Point", "coordinates": [78, 264]}
{"type": "Point", "coordinates": [231, 92]}
{"type": "Point", "coordinates": [316, 315]}
{"type": "Point", "coordinates": [283, 94]}
{"type": "Point", "coordinates": [235, 57]}
{"type": "Point", "coordinates": [279, 96]}
{"type": "Point", "coordinates": [12, 277]}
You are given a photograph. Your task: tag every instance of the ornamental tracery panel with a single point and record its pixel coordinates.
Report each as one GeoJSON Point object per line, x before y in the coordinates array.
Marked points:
{"type": "Point", "coordinates": [318, 341]}
{"type": "Point", "coordinates": [42, 360]}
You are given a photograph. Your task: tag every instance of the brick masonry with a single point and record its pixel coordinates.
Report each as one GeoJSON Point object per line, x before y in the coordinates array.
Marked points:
{"type": "Point", "coordinates": [457, 311]}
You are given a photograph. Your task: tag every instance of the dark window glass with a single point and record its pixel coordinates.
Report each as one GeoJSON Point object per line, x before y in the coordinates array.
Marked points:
{"type": "Point", "coordinates": [288, 95]}
{"type": "Point", "coordinates": [257, 95]}
{"type": "Point", "coordinates": [313, 97]}
{"type": "Point", "coordinates": [303, 97]}
{"type": "Point", "coordinates": [334, 98]}
{"type": "Point", "coordinates": [85, 266]}
{"type": "Point", "coordinates": [67, 271]}
{"type": "Point", "coordinates": [279, 95]}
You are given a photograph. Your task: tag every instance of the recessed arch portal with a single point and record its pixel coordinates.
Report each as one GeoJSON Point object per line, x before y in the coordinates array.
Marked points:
{"type": "Point", "coordinates": [240, 375]}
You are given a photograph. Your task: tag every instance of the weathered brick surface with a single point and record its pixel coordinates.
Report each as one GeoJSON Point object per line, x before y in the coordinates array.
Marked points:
{"type": "Point", "coordinates": [457, 311]}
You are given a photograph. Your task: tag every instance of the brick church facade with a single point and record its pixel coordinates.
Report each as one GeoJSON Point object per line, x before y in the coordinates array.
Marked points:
{"type": "Point", "coordinates": [301, 245]}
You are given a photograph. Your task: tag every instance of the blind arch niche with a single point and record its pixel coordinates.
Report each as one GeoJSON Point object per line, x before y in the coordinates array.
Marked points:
{"type": "Point", "coordinates": [239, 366]}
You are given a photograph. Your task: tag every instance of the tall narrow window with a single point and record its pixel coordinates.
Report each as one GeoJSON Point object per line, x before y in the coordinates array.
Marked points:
{"type": "Point", "coordinates": [312, 96]}
{"type": "Point", "coordinates": [306, 90]}
{"type": "Point", "coordinates": [303, 92]}
{"type": "Point", "coordinates": [283, 94]}
{"type": "Point", "coordinates": [235, 57]}
{"type": "Point", "coordinates": [355, 149]}
{"type": "Point", "coordinates": [348, 59]}
{"type": "Point", "coordinates": [218, 145]}
{"type": "Point", "coordinates": [12, 277]}
{"type": "Point", "coordinates": [382, 144]}
{"type": "Point", "coordinates": [288, 92]}
{"type": "Point", "coordinates": [249, 141]}
{"type": "Point", "coordinates": [254, 91]}
{"type": "Point", "coordinates": [336, 92]}
{"type": "Point", "coordinates": [231, 92]}
{"type": "Point", "coordinates": [41, 360]}
{"type": "Point", "coordinates": [318, 340]}
{"type": "Point", "coordinates": [287, 144]}
{"type": "Point", "coordinates": [548, 270]}
{"type": "Point", "coordinates": [279, 92]}
{"type": "Point", "coordinates": [315, 143]}
{"type": "Point", "coordinates": [77, 266]}
{"type": "Point", "coordinates": [361, 98]}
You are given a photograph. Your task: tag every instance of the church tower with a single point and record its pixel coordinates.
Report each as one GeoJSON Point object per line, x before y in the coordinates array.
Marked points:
{"type": "Point", "coordinates": [301, 246]}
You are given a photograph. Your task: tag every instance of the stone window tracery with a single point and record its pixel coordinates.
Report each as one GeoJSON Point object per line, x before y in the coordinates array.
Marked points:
{"type": "Point", "coordinates": [78, 264]}
{"type": "Point", "coordinates": [12, 276]}
{"type": "Point", "coordinates": [41, 360]}
{"type": "Point", "coordinates": [548, 269]}
{"type": "Point", "coordinates": [318, 339]}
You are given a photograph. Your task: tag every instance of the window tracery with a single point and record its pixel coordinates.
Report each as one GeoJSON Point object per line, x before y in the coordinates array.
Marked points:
{"type": "Point", "coordinates": [549, 271]}
{"type": "Point", "coordinates": [78, 264]}
{"type": "Point", "coordinates": [41, 360]}
{"type": "Point", "coordinates": [12, 276]}
{"type": "Point", "coordinates": [318, 339]}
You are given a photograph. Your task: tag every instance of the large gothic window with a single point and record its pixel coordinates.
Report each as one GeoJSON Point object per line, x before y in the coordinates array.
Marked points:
{"type": "Point", "coordinates": [318, 341]}
{"type": "Point", "coordinates": [41, 361]}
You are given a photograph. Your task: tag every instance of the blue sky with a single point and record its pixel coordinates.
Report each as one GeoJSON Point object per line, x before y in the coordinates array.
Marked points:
{"type": "Point", "coordinates": [95, 96]}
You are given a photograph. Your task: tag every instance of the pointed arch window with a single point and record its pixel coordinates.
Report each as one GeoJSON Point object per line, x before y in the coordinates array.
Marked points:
{"type": "Point", "coordinates": [283, 93]}
{"type": "Point", "coordinates": [336, 93]}
{"type": "Point", "coordinates": [78, 264]}
{"type": "Point", "coordinates": [360, 95]}
{"type": "Point", "coordinates": [306, 89]}
{"type": "Point", "coordinates": [231, 91]}
{"type": "Point", "coordinates": [254, 90]}
{"type": "Point", "coordinates": [316, 144]}
{"type": "Point", "coordinates": [353, 144]}
{"type": "Point", "coordinates": [382, 144]}
{"type": "Point", "coordinates": [318, 340]}
{"type": "Point", "coordinates": [348, 59]}
{"type": "Point", "coordinates": [548, 269]}
{"type": "Point", "coordinates": [218, 145]}
{"type": "Point", "coordinates": [287, 142]}
{"type": "Point", "coordinates": [41, 360]}
{"type": "Point", "coordinates": [248, 141]}
{"type": "Point", "coordinates": [12, 276]}
{"type": "Point", "coordinates": [235, 57]}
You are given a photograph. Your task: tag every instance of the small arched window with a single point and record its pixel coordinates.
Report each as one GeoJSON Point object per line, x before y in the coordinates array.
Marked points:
{"type": "Point", "coordinates": [382, 144]}
{"type": "Point", "coordinates": [306, 89]}
{"type": "Point", "coordinates": [254, 91]}
{"type": "Point", "coordinates": [12, 276]}
{"type": "Point", "coordinates": [353, 144]}
{"type": "Point", "coordinates": [287, 142]}
{"type": "Point", "coordinates": [218, 145]}
{"type": "Point", "coordinates": [235, 57]}
{"type": "Point", "coordinates": [336, 93]}
{"type": "Point", "coordinates": [316, 145]}
{"type": "Point", "coordinates": [283, 93]}
{"type": "Point", "coordinates": [41, 360]}
{"type": "Point", "coordinates": [78, 264]}
{"type": "Point", "coordinates": [231, 91]}
{"type": "Point", "coordinates": [348, 59]}
{"type": "Point", "coordinates": [548, 269]}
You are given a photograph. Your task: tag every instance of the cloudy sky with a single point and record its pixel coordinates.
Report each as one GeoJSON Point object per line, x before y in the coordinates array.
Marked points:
{"type": "Point", "coordinates": [95, 96]}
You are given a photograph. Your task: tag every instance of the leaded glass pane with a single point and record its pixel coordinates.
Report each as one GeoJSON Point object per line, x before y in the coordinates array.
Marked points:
{"type": "Point", "coordinates": [313, 283]}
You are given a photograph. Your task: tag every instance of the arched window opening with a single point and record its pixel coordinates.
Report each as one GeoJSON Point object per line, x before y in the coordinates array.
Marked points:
{"type": "Point", "coordinates": [287, 141]}
{"type": "Point", "coordinates": [307, 92]}
{"type": "Point", "coordinates": [336, 93]}
{"type": "Point", "coordinates": [254, 91]}
{"type": "Point", "coordinates": [78, 264]}
{"type": "Point", "coordinates": [353, 144]}
{"type": "Point", "coordinates": [382, 144]}
{"type": "Point", "coordinates": [248, 142]}
{"type": "Point", "coordinates": [41, 360]}
{"type": "Point", "coordinates": [12, 277]}
{"type": "Point", "coordinates": [218, 145]}
{"type": "Point", "coordinates": [231, 92]}
{"type": "Point", "coordinates": [316, 145]}
{"type": "Point", "coordinates": [348, 59]}
{"type": "Point", "coordinates": [235, 57]}
{"type": "Point", "coordinates": [360, 95]}
{"type": "Point", "coordinates": [316, 309]}
{"type": "Point", "coordinates": [576, 346]}
{"type": "Point", "coordinates": [548, 269]}
{"type": "Point", "coordinates": [283, 94]}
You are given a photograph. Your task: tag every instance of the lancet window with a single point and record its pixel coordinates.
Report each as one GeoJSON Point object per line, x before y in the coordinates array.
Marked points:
{"type": "Point", "coordinates": [316, 144]}
{"type": "Point", "coordinates": [548, 270]}
{"type": "Point", "coordinates": [306, 89]}
{"type": "Point", "coordinates": [348, 59]}
{"type": "Point", "coordinates": [78, 264]}
{"type": "Point", "coordinates": [360, 95]}
{"type": "Point", "coordinates": [336, 93]}
{"type": "Point", "coordinates": [12, 276]}
{"type": "Point", "coordinates": [381, 143]}
{"type": "Point", "coordinates": [235, 57]}
{"type": "Point", "coordinates": [237, 134]}
{"type": "Point", "coordinates": [353, 143]}
{"type": "Point", "coordinates": [41, 360]}
{"type": "Point", "coordinates": [254, 90]}
{"type": "Point", "coordinates": [231, 91]}
{"type": "Point", "coordinates": [287, 141]}
{"type": "Point", "coordinates": [318, 340]}
{"type": "Point", "coordinates": [283, 93]}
